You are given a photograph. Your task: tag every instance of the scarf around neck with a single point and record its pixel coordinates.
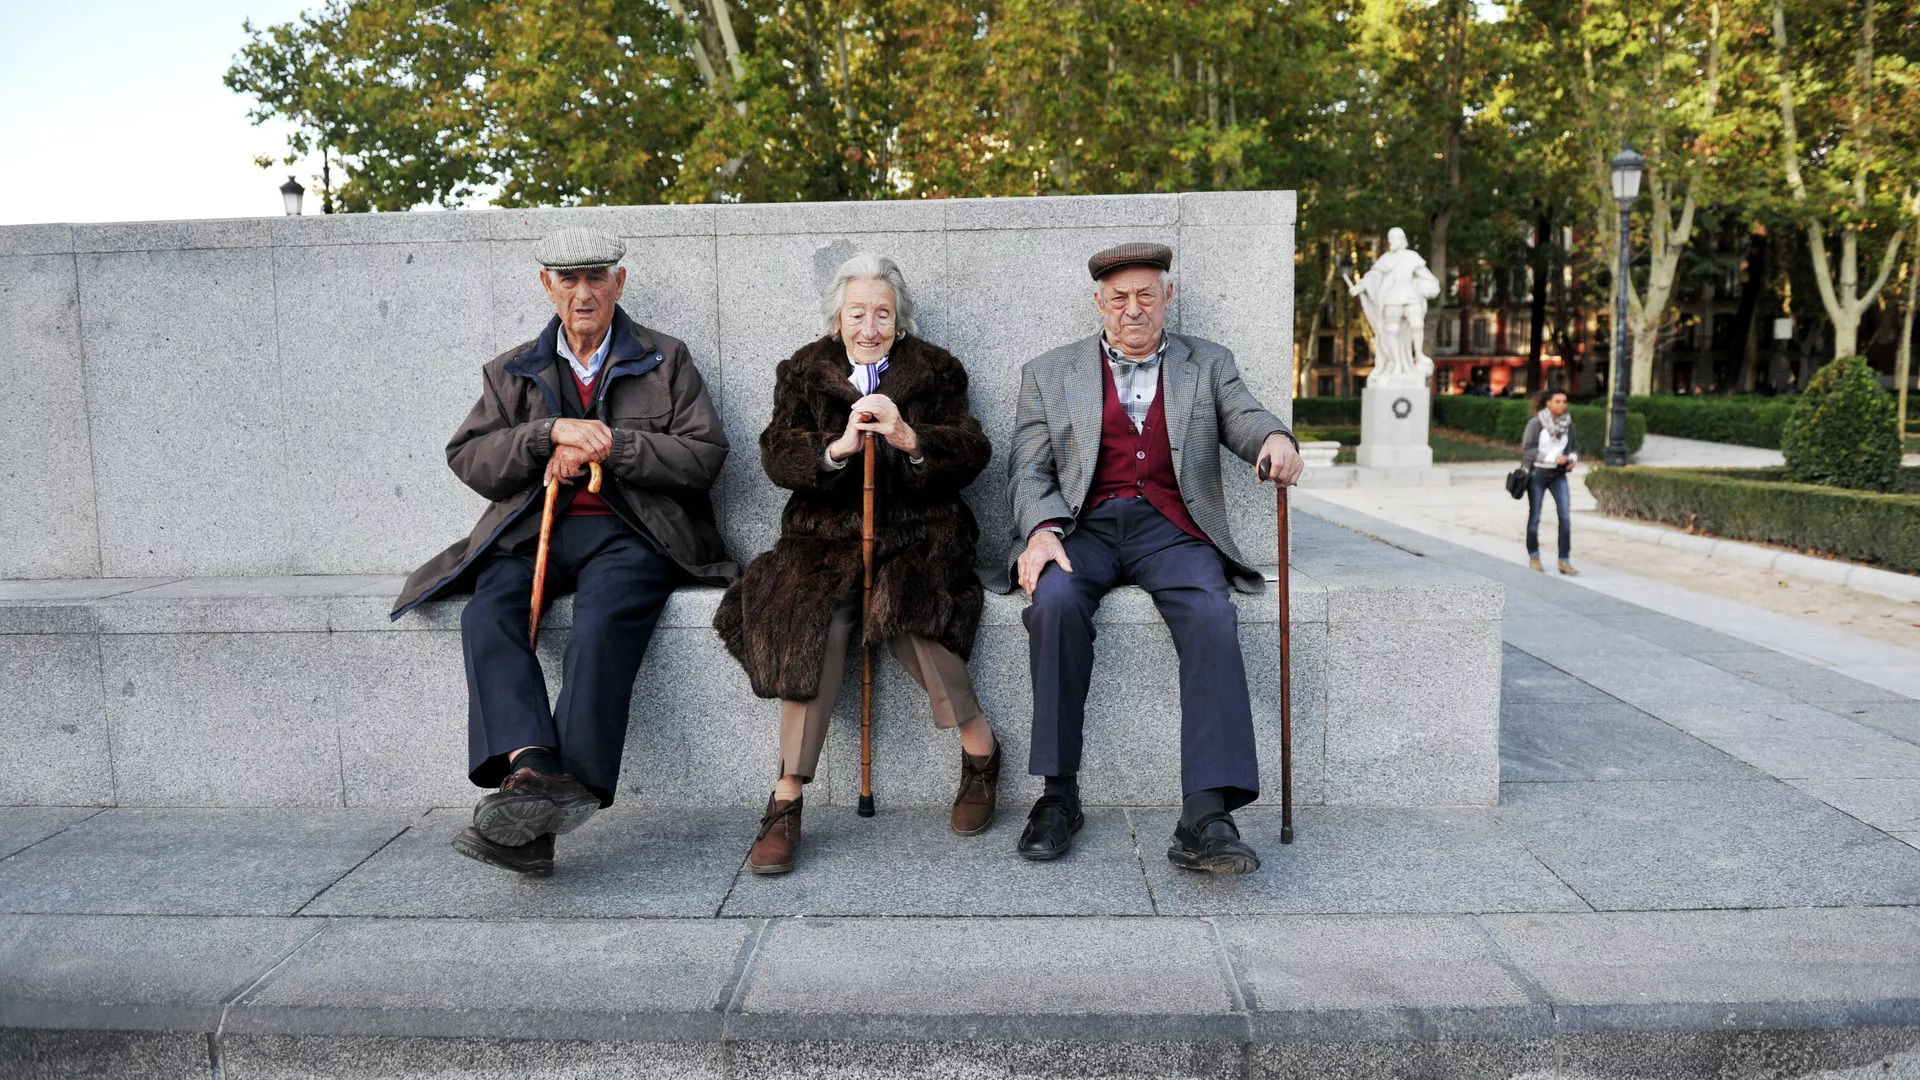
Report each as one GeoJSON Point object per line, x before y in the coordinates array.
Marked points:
{"type": "Point", "coordinates": [1555, 426]}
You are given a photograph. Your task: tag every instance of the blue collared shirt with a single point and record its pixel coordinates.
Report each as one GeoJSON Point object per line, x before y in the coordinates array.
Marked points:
{"type": "Point", "coordinates": [591, 369]}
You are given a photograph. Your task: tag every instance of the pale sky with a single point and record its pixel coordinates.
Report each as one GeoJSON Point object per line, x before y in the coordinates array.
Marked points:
{"type": "Point", "coordinates": [113, 111]}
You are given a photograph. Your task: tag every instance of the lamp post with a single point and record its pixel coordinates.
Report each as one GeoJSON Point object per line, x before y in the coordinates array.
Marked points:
{"type": "Point", "coordinates": [290, 193]}
{"type": "Point", "coordinates": [1627, 168]}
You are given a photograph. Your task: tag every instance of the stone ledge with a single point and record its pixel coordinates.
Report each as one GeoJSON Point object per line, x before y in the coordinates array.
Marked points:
{"type": "Point", "coordinates": [421, 978]}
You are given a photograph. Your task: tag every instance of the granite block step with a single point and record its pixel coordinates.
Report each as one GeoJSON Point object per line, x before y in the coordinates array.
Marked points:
{"type": "Point", "coordinates": [1799, 993]}
{"type": "Point", "coordinates": [298, 691]}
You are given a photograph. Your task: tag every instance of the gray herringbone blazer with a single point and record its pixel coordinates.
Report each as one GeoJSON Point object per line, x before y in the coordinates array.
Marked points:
{"type": "Point", "coordinates": [1056, 436]}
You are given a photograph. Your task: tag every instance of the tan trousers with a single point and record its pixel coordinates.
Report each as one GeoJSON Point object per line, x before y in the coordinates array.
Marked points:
{"type": "Point", "coordinates": [803, 724]}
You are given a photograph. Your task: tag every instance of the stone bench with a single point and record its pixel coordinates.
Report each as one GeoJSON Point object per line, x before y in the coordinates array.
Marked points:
{"type": "Point", "coordinates": [205, 541]}
{"type": "Point", "coordinates": [276, 691]}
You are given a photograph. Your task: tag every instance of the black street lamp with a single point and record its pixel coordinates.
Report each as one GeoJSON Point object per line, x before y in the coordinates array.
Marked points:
{"type": "Point", "coordinates": [290, 193]}
{"type": "Point", "coordinates": [1627, 168]}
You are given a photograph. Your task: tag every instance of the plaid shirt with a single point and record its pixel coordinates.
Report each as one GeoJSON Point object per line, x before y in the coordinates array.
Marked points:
{"type": "Point", "coordinates": [1137, 383]}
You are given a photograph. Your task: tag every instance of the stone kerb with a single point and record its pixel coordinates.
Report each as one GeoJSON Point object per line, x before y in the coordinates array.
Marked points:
{"type": "Point", "coordinates": [271, 396]}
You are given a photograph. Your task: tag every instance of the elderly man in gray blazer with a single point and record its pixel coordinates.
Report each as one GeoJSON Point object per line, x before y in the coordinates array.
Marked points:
{"type": "Point", "coordinates": [1115, 480]}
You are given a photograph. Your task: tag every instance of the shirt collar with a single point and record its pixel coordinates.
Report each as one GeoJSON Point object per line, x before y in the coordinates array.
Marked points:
{"type": "Point", "coordinates": [1115, 356]}
{"type": "Point", "coordinates": [591, 369]}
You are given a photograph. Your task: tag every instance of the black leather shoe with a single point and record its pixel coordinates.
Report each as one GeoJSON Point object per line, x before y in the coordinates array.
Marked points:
{"type": "Point", "coordinates": [533, 858]}
{"type": "Point", "coordinates": [530, 804]}
{"type": "Point", "coordinates": [1213, 843]}
{"type": "Point", "coordinates": [1050, 828]}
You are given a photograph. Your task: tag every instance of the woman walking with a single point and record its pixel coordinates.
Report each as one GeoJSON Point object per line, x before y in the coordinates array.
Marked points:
{"type": "Point", "coordinates": [1547, 453]}
{"type": "Point", "coordinates": [789, 619]}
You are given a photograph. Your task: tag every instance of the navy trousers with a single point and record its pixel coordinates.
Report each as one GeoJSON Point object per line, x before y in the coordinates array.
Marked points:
{"type": "Point", "coordinates": [620, 584]}
{"type": "Point", "coordinates": [1128, 542]}
{"type": "Point", "coordinates": [1539, 482]}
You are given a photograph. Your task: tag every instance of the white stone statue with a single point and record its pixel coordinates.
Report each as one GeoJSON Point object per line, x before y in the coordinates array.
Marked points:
{"type": "Point", "coordinates": [1394, 294]}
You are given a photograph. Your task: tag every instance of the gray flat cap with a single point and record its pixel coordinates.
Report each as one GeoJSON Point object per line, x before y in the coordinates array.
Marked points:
{"type": "Point", "coordinates": [578, 249]}
{"type": "Point", "coordinates": [1158, 256]}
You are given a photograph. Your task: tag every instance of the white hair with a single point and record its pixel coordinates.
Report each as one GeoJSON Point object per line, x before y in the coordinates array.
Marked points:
{"type": "Point", "coordinates": [867, 267]}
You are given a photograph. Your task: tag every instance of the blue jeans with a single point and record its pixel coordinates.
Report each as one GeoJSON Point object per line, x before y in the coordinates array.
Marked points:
{"type": "Point", "coordinates": [1539, 482]}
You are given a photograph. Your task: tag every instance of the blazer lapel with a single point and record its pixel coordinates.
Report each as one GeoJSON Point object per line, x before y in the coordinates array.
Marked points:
{"type": "Point", "coordinates": [1180, 378]}
{"type": "Point", "coordinates": [1086, 405]}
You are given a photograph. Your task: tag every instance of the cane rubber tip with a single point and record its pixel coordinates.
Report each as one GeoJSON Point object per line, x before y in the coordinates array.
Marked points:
{"type": "Point", "coordinates": [866, 806]}
{"type": "Point", "coordinates": [1286, 834]}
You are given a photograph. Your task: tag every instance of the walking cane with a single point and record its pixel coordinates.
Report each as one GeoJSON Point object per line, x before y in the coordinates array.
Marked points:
{"type": "Point", "coordinates": [866, 606]}
{"type": "Point", "coordinates": [1286, 674]}
{"type": "Point", "coordinates": [540, 557]}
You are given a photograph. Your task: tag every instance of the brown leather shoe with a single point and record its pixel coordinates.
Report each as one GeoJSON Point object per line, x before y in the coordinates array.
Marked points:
{"type": "Point", "coordinates": [979, 786]}
{"type": "Point", "coordinates": [533, 858]}
{"type": "Point", "coordinates": [530, 803]}
{"type": "Point", "coordinates": [779, 837]}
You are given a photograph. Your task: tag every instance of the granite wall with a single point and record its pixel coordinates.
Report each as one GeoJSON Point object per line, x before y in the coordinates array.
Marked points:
{"type": "Point", "coordinates": [271, 396]}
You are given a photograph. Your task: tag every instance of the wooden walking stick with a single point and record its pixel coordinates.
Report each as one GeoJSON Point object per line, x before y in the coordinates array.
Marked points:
{"type": "Point", "coordinates": [868, 448]}
{"type": "Point", "coordinates": [1286, 671]}
{"type": "Point", "coordinates": [540, 557]}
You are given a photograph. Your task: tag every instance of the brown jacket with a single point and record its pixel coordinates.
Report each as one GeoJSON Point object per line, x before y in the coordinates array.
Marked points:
{"type": "Point", "coordinates": [668, 446]}
{"type": "Point", "coordinates": [774, 620]}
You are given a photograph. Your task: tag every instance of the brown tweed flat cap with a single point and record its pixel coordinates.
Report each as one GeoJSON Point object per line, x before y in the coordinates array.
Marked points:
{"type": "Point", "coordinates": [1158, 256]}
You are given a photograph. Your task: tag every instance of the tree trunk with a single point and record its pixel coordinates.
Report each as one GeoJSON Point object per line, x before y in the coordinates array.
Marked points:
{"type": "Point", "coordinates": [1536, 334]}
{"type": "Point", "coordinates": [1903, 359]}
{"type": "Point", "coordinates": [1744, 351]}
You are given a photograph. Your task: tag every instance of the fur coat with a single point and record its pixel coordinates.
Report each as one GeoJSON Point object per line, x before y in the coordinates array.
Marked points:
{"type": "Point", "coordinates": [774, 619]}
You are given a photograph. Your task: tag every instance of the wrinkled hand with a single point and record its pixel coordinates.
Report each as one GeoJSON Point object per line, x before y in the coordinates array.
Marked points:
{"type": "Point", "coordinates": [1279, 461]}
{"type": "Point", "coordinates": [1043, 547]}
{"type": "Point", "coordinates": [884, 420]}
{"type": "Point", "coordinates": [1561, 460]}
{"type": "Point", "coordinates": [566, 463]}
{"type": "Point", "coordinates": [591, 436]}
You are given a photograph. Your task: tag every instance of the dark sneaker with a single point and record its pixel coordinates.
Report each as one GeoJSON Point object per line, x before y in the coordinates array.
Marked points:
{"type": "Point", "coordinates": [531, 803]}
{"type": "Point", "coordinates": [779, 837]}
{"type": "Point", "coordinates": [533, 858]}
{"type": "Point", "coordinates": [1050, 828]}
{"type": "Point", "coordinates": [979, 789]}
{"type": "Point", "coordinates": [1214, 844]}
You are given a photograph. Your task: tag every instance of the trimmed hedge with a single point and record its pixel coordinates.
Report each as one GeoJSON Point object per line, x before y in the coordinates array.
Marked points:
{"type": "Point", "coordinates": [1743, 421]}
{"type": "Point", "coordinates": [1506, 419]}
{"type": "Point", "coordinates": [1751, 504]}
{"type": "Point", "coordinates": [1326, 411]}
{"type": "Point", "coordinates": [1843, 431]}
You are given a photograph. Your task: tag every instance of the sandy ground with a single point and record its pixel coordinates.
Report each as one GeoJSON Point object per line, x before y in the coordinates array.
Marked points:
{"type": "Point", "coordinates": [1480, 504]}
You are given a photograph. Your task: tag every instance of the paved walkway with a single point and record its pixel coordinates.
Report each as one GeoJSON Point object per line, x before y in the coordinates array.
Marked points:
{"type": "Point", "coordinates": [1696, 836]}
{"type": "Point", "coordinates": [1673, 452]}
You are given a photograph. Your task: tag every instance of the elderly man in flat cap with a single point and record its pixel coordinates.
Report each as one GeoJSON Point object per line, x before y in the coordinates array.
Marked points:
{"type": "Point", "coordinates": [1115, 480]}
{"type": "Point", "coordinates": [595, 386]}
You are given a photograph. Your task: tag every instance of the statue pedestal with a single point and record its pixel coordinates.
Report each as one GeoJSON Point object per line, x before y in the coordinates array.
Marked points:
{"type": "Point", "coordinates": [1393, 428]}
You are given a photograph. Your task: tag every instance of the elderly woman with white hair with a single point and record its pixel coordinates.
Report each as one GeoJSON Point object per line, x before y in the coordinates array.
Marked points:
{"type": "Point", "coordinates": [788, 620]}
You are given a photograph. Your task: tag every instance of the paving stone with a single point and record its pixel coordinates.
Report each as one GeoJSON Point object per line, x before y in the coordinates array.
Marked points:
{"type": "Point", "coordinates": [574, 979]}
{"type": "Point", "coordinates": [1889, 805]}
{"type": "Point", "coordinates": [53, 724]}
{"type": "Point", "coordinates": [117, 973]}
{"type": "Point", "coordinates": [1358, 860]}
{"type": "Point", "coordinates": [1532, 681]}
{"type": "Point", "coordinates": [1087, 977]}
{"type": "Point", "coordinates": [1801, 680]}
{"type": "Point", "coordinates": [1681, 636]}
{"type": "Point", "coordinates": [1376, 977]}
{"type": "Point", "coordinates": [193, 862]}
{"type": "Point", "coordinates": [1648, 681]}
{"type": "Point", "coordinates": [1900, 719]}
{"type": "Point", "coordinates": [1872, 1054]}
{"type": "Point", "coordinates": [1450, 1059]}
{"type": "Point", "coordinates": [1571, 741]}
{"type": "Point", "coordinates": [1641, 970]}
{"type": "Point", "coordinates": [960, 1057]}
{"type": "Point", "coordinates": [910, 862]}
{"type": "Point", "coordinates": [280, 1057]}
{"type": "Point", "coordinates": [1790, 719]}
{"type": "Point", "coordinates": [24, 826]}
{"type": "Point", "coordinates": [27, 1054]}
{"type": "Point", "coordinates": [1880, 757]}
{"type": "Point", "coordinates": [625, 862]}
{"type": "Point", "coordinates": [1637, 845]}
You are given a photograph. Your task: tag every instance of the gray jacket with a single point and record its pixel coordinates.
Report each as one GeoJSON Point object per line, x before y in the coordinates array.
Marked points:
{"type": "Point", "coordinates": [1530, 444]}
{"type": "Point", "coordinates": [1056, 436]}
